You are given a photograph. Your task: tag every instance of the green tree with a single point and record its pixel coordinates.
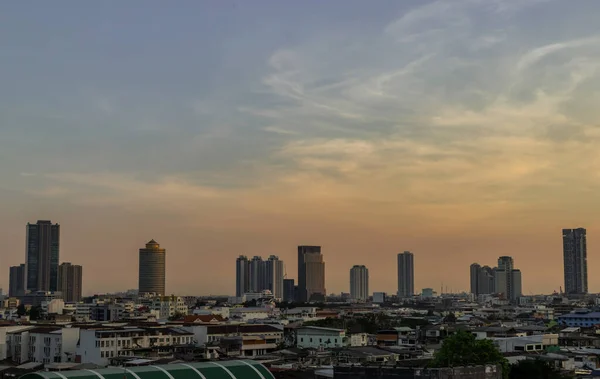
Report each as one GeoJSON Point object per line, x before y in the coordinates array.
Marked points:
{"type": "Point", "coordinates": [451, 318]}
{"type": "Point", "coordinates": [534, 369]}
{"type": "Point", "coordinates": [21, 311]}
{"type": "Point", "coordinates": [462, 349]}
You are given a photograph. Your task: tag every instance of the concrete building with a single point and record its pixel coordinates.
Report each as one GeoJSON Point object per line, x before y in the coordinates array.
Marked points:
{"type": "Point", "coordinates": [70, 279]}
{"type": "Point", "coordinates": [256, 274]}
{"type": "Point", "coordinates": [242, 280]}
{"type": "Point", "coordinates": [43, 344]}
{"type": "Point", "coordinates": [164, 307]}
{"type": "Point", "coordinates": [379, 297]}
{"type": "Point", "coordinates": [252, 340]}
{"type": "Point", "coordinates": [274, 276]}
{"type": "Point", "coordinates": [482, 280]}
{"type": "Point", "coordinates": [311, 274]}
{"type": "Point", "coordinates": [406, 275]}
{"type": "Point", "coordinates": [575, 260]}
{"type": "Point", "coordinates": [507, 279]}
{"type": "Point", "coordinates": [98, 345]}
{"type": "Point", "coordinates": [42, 256]}
{"type": "Point", "coordinates": [152, 269]}
{"type": "Point", "coordinates": [316, 337]}
{"type": "Point", "coordinates": [289, 294]}
{"type": "Point", "coordinates": [16, 286]}
{"type": "Point", "coordinates": [359, 283]}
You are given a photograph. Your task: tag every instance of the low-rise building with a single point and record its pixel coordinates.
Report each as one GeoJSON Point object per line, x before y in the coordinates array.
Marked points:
{"type": "Point", "coordinates": [99, 345]}
{"type": "Point", "coordinates": [315, 337]}
{"type": "Point", "coordinates": [251, 313]}
{"type": "Point", "coordinates": [164, 307]}
{"type": "Point", "coordinates": [586, 320]}
{"type": "Point", "coordinates": [43, 344]}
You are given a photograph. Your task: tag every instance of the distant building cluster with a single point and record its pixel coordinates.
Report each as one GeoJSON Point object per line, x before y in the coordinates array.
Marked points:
{"type": "Point", "coordinates": [504, 279]}
{"type": "Point", "coordinates": [257, 275]}
{"type": "Point", "coordinates": [42, 274]}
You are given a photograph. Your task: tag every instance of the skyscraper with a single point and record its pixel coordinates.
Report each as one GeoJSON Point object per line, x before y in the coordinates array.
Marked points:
{"type": "Point", "coordinates": [289, 294]}
{"type": "Point", "coordinates": [257, 274]}
{"type": "Point", "coordinates": [242, 280]}
{"type": "Point", "coordinates": [406, 275]}
{"type": "Point", "coordinates": [274, 276]}
{"type": "Point", "coordinates": [311, 274]}
{"type": "Point", "coordinates": [16, 286]}
{"type": "Point", "coordinates": [575, 260]}
{"type": "Point", "coordinates": [482, 279]}
{"type": "Point", "coordinates": [70, 281]}
{"type": "Point", "coordinates": [475, 272]}
{"type": "Point", "coordinates": [508, 279]}
{"type": "Point", "coordinates": [42, 256]}
{"type": "Point", "coordinates": [152, 269]}
{"type": "Point", "coordinates": [359, 283]}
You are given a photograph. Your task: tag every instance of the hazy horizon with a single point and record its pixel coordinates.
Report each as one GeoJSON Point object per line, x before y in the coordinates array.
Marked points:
{"type": "Point", "coordinates": [458, 130]}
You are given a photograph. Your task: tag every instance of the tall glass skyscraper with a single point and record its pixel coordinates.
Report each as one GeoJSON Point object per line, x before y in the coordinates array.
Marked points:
{"type": "Point", "coordinates": [311, 274]}
{"type": "Point", "coordinates": [575, 260]}
{"type": "Point", "coordinates": [42, 256]}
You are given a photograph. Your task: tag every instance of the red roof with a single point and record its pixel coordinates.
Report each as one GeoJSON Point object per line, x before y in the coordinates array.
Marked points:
{"type": "Point", "coordinates": [203, 318]}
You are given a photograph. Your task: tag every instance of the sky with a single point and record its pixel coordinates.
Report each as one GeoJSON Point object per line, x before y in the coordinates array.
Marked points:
{"type": "Point", "coordinates": [458, 130]}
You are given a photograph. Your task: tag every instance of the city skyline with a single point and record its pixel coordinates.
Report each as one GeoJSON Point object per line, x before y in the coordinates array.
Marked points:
{"type": "Point", "coordinates": [463, 130]}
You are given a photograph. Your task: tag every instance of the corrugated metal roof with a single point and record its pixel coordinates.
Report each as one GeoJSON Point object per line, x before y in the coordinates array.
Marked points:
{"type": "Point", "coordinates": [193, 370]}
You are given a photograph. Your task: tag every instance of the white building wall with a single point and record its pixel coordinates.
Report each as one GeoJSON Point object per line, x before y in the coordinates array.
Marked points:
{"type": "Point", "coordinates": [311, 338]}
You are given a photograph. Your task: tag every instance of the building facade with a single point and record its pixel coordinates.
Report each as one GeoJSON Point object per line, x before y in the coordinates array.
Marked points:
{"type": "Point", "coordinates": [406, 275]}
{"type": "Point", "coordinates": [16, 286]}
{"type": "Point", "coordinates": [575, 260]}
{"type": "Point", "coordinates": [152, 269]}
{"type": "Point", "coordinates": [482, 280]}
{"type": "Point", "coordinates": [317, 337]}
{"type": "Point", "coordinates": [274, 276]}
{"type": "Point", "coordinates": [311, 274]}
{"type": "Point", "coordinates": [508, 280]}
{"type": "Point", "coordinates": [242, 281]}
{"type": "Point", "coordinates": [42, 256]}
{"type": "Point", "coordinates": [359, 283]}
{"type": "Point", "coordinates": [289, 294]}
{"type": "Point", "coordinates": [257, 275]}
{"type": "Point", "coordinates": [70, 279]}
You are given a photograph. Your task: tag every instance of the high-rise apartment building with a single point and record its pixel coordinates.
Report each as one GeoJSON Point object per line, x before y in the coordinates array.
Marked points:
{"type": "Point", "coordinates": [359, 283]}
{"type": "Point", "coordinates": [406, 275]}
{"type": "Point", "coordinates": [289, 293]}
{"type": "Point", "coordinates": [575, 260]}
{"type": "Point", "coordinates": [482, 280]}
{"type": "Point", "coordinates": [274, 276]}
{"type": "Point", "coordinates": [70, 279]}
{"type": "Point", "coordinates": [42, 256]}
{"type": "Point", "coordinates": [257, 275]}
{"type": "Point", "coordinates": [16, 285]}
{"type": "Point", "coordinates": [508, 279]}
{"type": "Point", "coordinates": [152, 269]}
{"type": "Point", "coordinates": [242, 279]}
{"type": "Point", "coordinates": [311, 274]}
